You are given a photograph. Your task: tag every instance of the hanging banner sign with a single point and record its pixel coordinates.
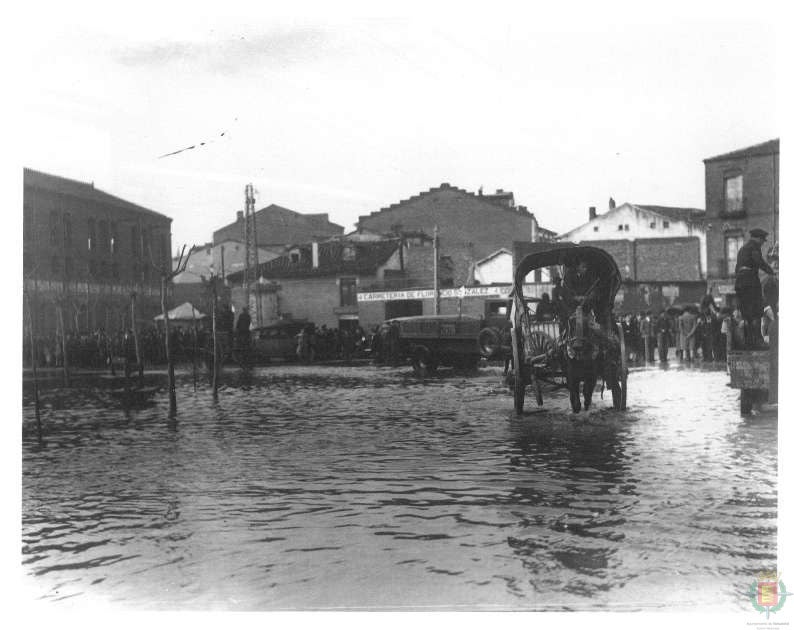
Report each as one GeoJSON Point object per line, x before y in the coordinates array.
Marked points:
{"type": "Point", "coordinates": [501, 292]}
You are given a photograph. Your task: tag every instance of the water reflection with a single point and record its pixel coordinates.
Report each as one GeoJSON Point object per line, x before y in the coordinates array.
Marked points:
{"type": "Point", "coordinates": [318, 487]}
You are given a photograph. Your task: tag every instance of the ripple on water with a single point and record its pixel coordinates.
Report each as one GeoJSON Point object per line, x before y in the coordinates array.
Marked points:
{"type": "Point", "coordinates": [316, 487]}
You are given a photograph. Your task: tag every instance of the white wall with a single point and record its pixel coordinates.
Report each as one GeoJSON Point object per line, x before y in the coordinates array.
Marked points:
{"type": "Point", "coordinates": [639, 222]}
{"type": "Point", "coordinates": [496, 270]}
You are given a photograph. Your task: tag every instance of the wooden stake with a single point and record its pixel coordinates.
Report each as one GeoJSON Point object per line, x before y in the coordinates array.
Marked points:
{"type": "Point", "coordinates": [33, 365]}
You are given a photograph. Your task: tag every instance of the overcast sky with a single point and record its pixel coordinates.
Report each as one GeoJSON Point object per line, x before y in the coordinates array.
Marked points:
{"type": "Point", "coordinates": [346, 115]}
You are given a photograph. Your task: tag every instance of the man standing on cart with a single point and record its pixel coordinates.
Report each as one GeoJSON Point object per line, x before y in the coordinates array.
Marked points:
{"type": "Point", "coordinates": [748, 285]}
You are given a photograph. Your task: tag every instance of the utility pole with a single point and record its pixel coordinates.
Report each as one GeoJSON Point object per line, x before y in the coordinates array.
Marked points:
{"type": "Point", "coordinates": [436, 292]}
{"type": "Point", "coordinates": [251, 253]}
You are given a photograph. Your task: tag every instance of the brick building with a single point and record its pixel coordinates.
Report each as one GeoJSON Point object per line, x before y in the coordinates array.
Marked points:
{"type": "Point", "coordinates": [742, 193]}
{"type": "Point", "coordinates": [320, 281]}
{"type": "Point", "coordinates": [656, 272]}
{"type": "Point", "coordinates": [471, 227]}
{"type": "Point", "coordinates": [277, 226]}
{"type": "Point", "coordinates": [630, 221]}
{"type": "Point", "coordinates": [89, 250]}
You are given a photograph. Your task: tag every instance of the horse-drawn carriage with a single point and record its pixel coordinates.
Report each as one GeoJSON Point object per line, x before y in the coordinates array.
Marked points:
{"type": "Point", "coordinates": [581, 343]}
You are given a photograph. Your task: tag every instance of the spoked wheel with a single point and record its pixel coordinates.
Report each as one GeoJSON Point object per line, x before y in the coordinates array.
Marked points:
{"type": "Point", "coordinates": [519, 381]}
{"type": "Point", "coordinates": [423, 361]}
{"type": "Point", "coordinates": [623, 374]}
{"type": "Point", "coordinates": [539, 342]}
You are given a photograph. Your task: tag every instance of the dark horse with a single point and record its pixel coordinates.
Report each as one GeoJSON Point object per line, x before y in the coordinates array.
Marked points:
{"type": "Point", "coordinates": [587, 354]}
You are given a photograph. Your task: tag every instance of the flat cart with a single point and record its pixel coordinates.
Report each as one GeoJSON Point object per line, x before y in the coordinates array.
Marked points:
{"type": "Point", "coordinates": [582, 343]}
{"type": "Point", "coordinates": [754, 372]}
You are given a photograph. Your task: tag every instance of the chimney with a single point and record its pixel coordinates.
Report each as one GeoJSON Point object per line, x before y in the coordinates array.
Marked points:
{"type": "Point", "coordinates": [592, 213]}
{"type": "Point", "coordinates": [611, 203]}
{"type": "Point", "coordinates": [315, 255]}
{"type": "Point", "coordinates": [239, 215]}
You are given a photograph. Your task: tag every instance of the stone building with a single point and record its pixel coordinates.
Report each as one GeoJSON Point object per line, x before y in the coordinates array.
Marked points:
{"type": "Point", "coordinates": [742, 193]}
{"type": "Point", "coordinates": [89, 251]}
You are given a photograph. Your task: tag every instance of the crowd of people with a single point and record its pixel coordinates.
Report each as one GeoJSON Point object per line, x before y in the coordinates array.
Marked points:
{"type": "Point", "coordinates": [328, 344]}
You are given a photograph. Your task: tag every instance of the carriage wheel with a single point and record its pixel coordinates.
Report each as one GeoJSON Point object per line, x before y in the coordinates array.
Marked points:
{"type": "Point", "coordinates": [624, 372]}
{"type": "Point", "coordinates": [539, 343]}
{"type": "Point", "coordinates": [518, 368]}
{"type": "Point", "coordinates": [423, 361]}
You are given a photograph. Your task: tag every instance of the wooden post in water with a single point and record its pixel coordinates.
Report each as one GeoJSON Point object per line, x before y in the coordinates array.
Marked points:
{"type": "Point", "coordinates": [166, 275]}
{"type": "Point", "coordinates": [32, 338]}
{"type": "Point", "coordinates": [65, 358]}
{"type": "Point", "coordinates": [213, 281]}
{"type": "Point", "coordinates": [134, 324]}
{"type": "Point", "coordinates": [195, 344]}
{"type": "Point", "coordinates": [168, 358]}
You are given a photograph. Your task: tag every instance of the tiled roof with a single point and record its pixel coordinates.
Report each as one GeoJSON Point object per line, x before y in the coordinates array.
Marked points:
{"type": "Point", "coordinates": [765, 148]}
{"type": "Point", "coordinates": [368, 257]}
{"type": "Point", "coordinates": [677, 214]}
{"type": "Point", "coordinates": [80, 190]}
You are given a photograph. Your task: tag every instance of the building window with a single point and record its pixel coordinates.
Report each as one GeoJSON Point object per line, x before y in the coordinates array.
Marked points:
{"type": "Point", "coordinates": [67, 229]}
{"type": "Point", "coordinates": [348, 253]}
{"type": "Point", "coordinates": [626, 227]}
{"type": "Point", "coordinates": [27, 226]}
{"type": "Point", "coordinates": [653, 225]}
{"type": "Point", "coordinates": [595, 228]}
{"type": "Point", "coordinates": [53, 228]}
{"type": "Point", "coordinates": [103, 243]}
{"type": "Point", "coordinates": [294, 257]}
{"type": "Point", "coordinates": [114, 234]}
{"type": "Point", "coordinates": [135, 236]}
{"type": "Point", "coordinates": [163, 252]}
{"type": "Point", "coordinates": [620, 228]}
{"type": "Point", "coordinates": [347, 292]}
{"type": "Point", "coordinates": [734, 194]}
{"type": "Point", "coordinates": [115, 271]}
{"type": "Point", "coordinates": [91, 234]}
{"type": "Point", "coordinates": [92, 269]}
{"type": "Point", "coordinates": [665, 224]}
{"type": "Point", "coordinates": [732, 245]}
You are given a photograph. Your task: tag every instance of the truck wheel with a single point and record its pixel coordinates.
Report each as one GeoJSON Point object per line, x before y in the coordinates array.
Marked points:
{"type": "Point", "coordinates": [423, 361]}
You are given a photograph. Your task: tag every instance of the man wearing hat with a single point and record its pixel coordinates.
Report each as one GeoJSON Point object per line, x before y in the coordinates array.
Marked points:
{"type": "Point", "coordinates": [748, 285]}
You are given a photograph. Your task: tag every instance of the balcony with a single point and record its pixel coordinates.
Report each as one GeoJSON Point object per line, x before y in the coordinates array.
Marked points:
{"type": "Point", "coordinates": [736, 212]}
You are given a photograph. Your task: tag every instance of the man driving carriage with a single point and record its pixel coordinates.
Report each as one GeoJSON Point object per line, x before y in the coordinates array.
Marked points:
{"type": "Point", "coordinates": [589, 345]}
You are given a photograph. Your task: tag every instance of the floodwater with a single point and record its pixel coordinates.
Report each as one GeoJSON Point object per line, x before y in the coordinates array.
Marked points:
{"type": "Point", "coordinates": [364, 487]}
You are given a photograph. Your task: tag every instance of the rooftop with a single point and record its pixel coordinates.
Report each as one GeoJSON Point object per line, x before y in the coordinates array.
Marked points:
{"type": "Point", "coordinates": [770, 147]}
{"type": "Point", "coordinates": [368, 256]}
{"type": "Point", "coordinates": [81, 190]}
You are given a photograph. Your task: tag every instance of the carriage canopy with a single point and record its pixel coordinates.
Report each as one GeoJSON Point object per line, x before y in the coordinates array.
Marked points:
{"type": "Point", "coordinates": [600, 262]}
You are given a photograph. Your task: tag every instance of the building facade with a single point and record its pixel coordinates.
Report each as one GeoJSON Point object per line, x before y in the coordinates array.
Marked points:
{"type": "Point", "coordinates": [321, 282]}
{"type": "Point", "coordinates": [742, 193]}
{"type": "Point", "coordinates": [656, 272]}
{"type": "Point", "coordinates": [89, 251]}
{"type": "Point", "coordinates": [470, 226]}
{"type": "Point", "coordinates": [630, 221]}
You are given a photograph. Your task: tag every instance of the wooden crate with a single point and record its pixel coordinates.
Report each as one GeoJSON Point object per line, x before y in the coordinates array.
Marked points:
{"type": "Point", "coordinates": [749, 369]}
